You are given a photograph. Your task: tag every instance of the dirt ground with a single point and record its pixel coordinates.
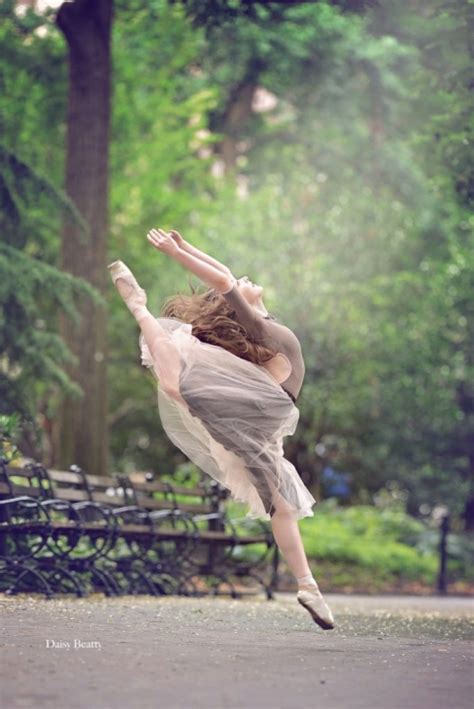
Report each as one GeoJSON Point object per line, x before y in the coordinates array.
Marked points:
{"type": "Point", "coordinates": [185, 653]}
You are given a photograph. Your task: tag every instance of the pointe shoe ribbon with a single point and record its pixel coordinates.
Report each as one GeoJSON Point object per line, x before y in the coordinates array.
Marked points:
{"type": "Point", "coordinates": [315, 604]}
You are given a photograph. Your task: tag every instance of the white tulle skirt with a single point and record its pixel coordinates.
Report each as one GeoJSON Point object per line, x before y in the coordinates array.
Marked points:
{"type": "Point", "coordinates": [231, 423]}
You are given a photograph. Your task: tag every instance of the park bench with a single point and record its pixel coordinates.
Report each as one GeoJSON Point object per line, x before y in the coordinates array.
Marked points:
{"type": "Point", "coordinates": [87, 529]}
{"type": "Point", "coordinates": [25, 527]}
{"type": "Point", "coordinates": [128, 533]}
{"type": "Point", "coordinates": [38, 533]}
{"type": "Point", "coordinates": [217, 554]}
{"type": "Point", "coordinates": [101, 530]}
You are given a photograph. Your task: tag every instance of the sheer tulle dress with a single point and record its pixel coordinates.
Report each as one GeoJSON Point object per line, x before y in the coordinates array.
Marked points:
{"type": "Point", "coordinates": [231, 422]}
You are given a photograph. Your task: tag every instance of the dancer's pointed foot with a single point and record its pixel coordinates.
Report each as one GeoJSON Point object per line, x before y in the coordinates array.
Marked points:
{"type": "Point", "coordinates": [134, 297]}
{"type": "Point", "coordinates": [310, 597]}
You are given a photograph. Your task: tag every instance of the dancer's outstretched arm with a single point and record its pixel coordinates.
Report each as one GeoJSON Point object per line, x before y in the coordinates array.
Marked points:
{"type": "Point", "coordinates": [212, 276]}
{"type": "Point", "coordinates": [186, 246]}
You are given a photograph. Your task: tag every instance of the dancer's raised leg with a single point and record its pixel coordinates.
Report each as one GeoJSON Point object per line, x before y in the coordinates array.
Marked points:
{"type": "Point", "coordinates": [164, 353]}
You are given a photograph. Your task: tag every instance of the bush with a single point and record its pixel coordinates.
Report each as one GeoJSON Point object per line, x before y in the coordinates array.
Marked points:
{"type": "Point", "coordinates": [382, 542]}
{"type": "Point", "coordinates": [377, 540]}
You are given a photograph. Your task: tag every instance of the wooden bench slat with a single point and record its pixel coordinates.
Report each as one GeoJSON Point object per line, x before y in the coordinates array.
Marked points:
{"type": "Point", "coordinates": [30, 491]}
{"type": "Point", "coordinates": [135, 529]}
{"type": "Point", "coordinates": [21, 472]}
{"type": "Point", "coordinates": [160, 532]}
{"type": "Point", "coordinates": [101, 481]}
{"type": "Point", "coordinates": [150, 486]}
{"type": "Point", "coordinates": [162, 487]}
{"type": "Point", "coordinates": [114, 500]}
{"type": "Point", "coordinates": [150, 503]}
{"type": "Point", "coordinates": [69, 494]}
{"type": "Point", "coordinates": [65, 476]}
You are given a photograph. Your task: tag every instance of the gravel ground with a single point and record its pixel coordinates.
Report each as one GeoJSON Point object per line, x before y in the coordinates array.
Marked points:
{"type": "Point", "coordinates": [184, 653]}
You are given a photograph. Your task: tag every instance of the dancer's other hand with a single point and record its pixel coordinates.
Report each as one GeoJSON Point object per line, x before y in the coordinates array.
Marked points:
{"type": "Point", "coordinates": [163, 241]}
{"type": "Point", "coordinates": [178, 238]}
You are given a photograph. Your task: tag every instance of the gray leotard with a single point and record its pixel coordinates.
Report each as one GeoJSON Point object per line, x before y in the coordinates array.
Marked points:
{"type": "Point", "coordinates": [270, 334]}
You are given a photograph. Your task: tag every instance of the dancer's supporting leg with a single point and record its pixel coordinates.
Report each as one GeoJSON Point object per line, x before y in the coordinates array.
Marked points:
{"type": "Point", "coordinates": [164, 353]}
{"type": "Point", "coordinates": [287, 536]}
{"type": "Point", "coordinates": [285, 528]}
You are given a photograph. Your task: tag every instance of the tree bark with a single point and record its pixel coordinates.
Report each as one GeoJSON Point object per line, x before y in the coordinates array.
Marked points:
{"type": "Point", "coordinates": [81, 430]}
{"type": "Point", "coordinates": [238, 110]}
{"type": "Point", "coordinates": [465, 399]}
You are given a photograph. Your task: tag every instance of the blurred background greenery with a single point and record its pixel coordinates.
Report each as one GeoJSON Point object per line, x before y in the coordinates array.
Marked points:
{"type": "Point", "coordinates": [322, 148]}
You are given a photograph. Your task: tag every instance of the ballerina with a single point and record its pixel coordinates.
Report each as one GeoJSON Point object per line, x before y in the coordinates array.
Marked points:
{"type": "Point", "coordinates": [228, 378]}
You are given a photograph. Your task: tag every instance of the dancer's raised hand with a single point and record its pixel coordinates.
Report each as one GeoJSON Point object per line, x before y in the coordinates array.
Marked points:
{"type": "Point", "coordinates": [203, 266]}
{"type": "Point", "coordinates": [163, 241]}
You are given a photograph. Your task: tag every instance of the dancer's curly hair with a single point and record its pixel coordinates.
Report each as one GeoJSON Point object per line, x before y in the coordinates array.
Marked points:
{"type": "Point", "coordinates": [214, 321]}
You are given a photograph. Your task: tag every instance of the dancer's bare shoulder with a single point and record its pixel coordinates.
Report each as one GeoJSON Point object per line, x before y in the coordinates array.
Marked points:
{"type": "Point", "coordinates": [279, 367]}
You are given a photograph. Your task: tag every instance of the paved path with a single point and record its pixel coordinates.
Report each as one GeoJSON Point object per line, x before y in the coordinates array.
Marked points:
{"type": "Point", "coordinates": [180, 653]}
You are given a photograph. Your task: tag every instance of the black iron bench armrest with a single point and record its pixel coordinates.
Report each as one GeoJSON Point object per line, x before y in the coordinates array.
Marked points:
{"type": "Point", "coordinates": [106, 511]}
{"type": "Point", "coordinates": [221, 517]}
{"type": "Point", "coordinates": [60, 506]}
{"type": "Point", "coordinates": [26, 502]}
{"type": "Point", "coordinates": [188, 517]}
{"type": "Point", "coordinates": [137, 514]}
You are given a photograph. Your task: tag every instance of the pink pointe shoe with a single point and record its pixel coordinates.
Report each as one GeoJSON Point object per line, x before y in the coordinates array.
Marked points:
{"type": "Point", "coordinates": [127, 285]}
{"type": "Point", "coordinates": [315, 604]}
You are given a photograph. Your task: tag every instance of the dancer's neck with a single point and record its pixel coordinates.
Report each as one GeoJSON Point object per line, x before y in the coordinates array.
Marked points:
{"type": "Point", "coordinates": [260, 308]}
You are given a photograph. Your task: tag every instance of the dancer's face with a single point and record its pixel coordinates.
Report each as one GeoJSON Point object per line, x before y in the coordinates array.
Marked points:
{"type": "Point", "coordinates": [250, 291]}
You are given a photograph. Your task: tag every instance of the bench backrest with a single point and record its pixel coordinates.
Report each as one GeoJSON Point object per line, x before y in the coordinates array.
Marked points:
{"type": "Point", "coordinates": [107, 489]}
{"type": "Point", "coordinates": [152, 494]}
{"type": "Point", "coordinates": [138, 488]}
{"type": "Point", "coordinates": [20, 481]}
{"type": "Point", "coordinates": [66, 485]}
{"type": "Point", "coordinates": [74, 485]}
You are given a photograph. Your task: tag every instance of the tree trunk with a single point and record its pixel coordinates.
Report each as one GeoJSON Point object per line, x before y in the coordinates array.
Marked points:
{"type": "Point", "coordinates": [81, 429]}
{"type": "Point", "coordinates": [237, 112]}
{"type": "Point", "coordinates": [376, 121]}
{"type": "Point", "coordinates": [465, 399]}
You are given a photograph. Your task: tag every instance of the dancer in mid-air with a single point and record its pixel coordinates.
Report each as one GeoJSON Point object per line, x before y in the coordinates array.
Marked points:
{"type": "Point", "coordinates": [229, 375]}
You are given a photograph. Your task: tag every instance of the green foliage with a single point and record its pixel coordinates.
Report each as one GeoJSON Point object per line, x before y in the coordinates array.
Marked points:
{"type": "Point", "coordinates": [22, 189]}
{"type": "Point", "coordinates": [9, 433]}
{"type": "Point", "coordinates": [354, 536]}
{"type": "Point", "coordinates": [32, 354]}
{"type": "Point", "coordinates": [33, 291]}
